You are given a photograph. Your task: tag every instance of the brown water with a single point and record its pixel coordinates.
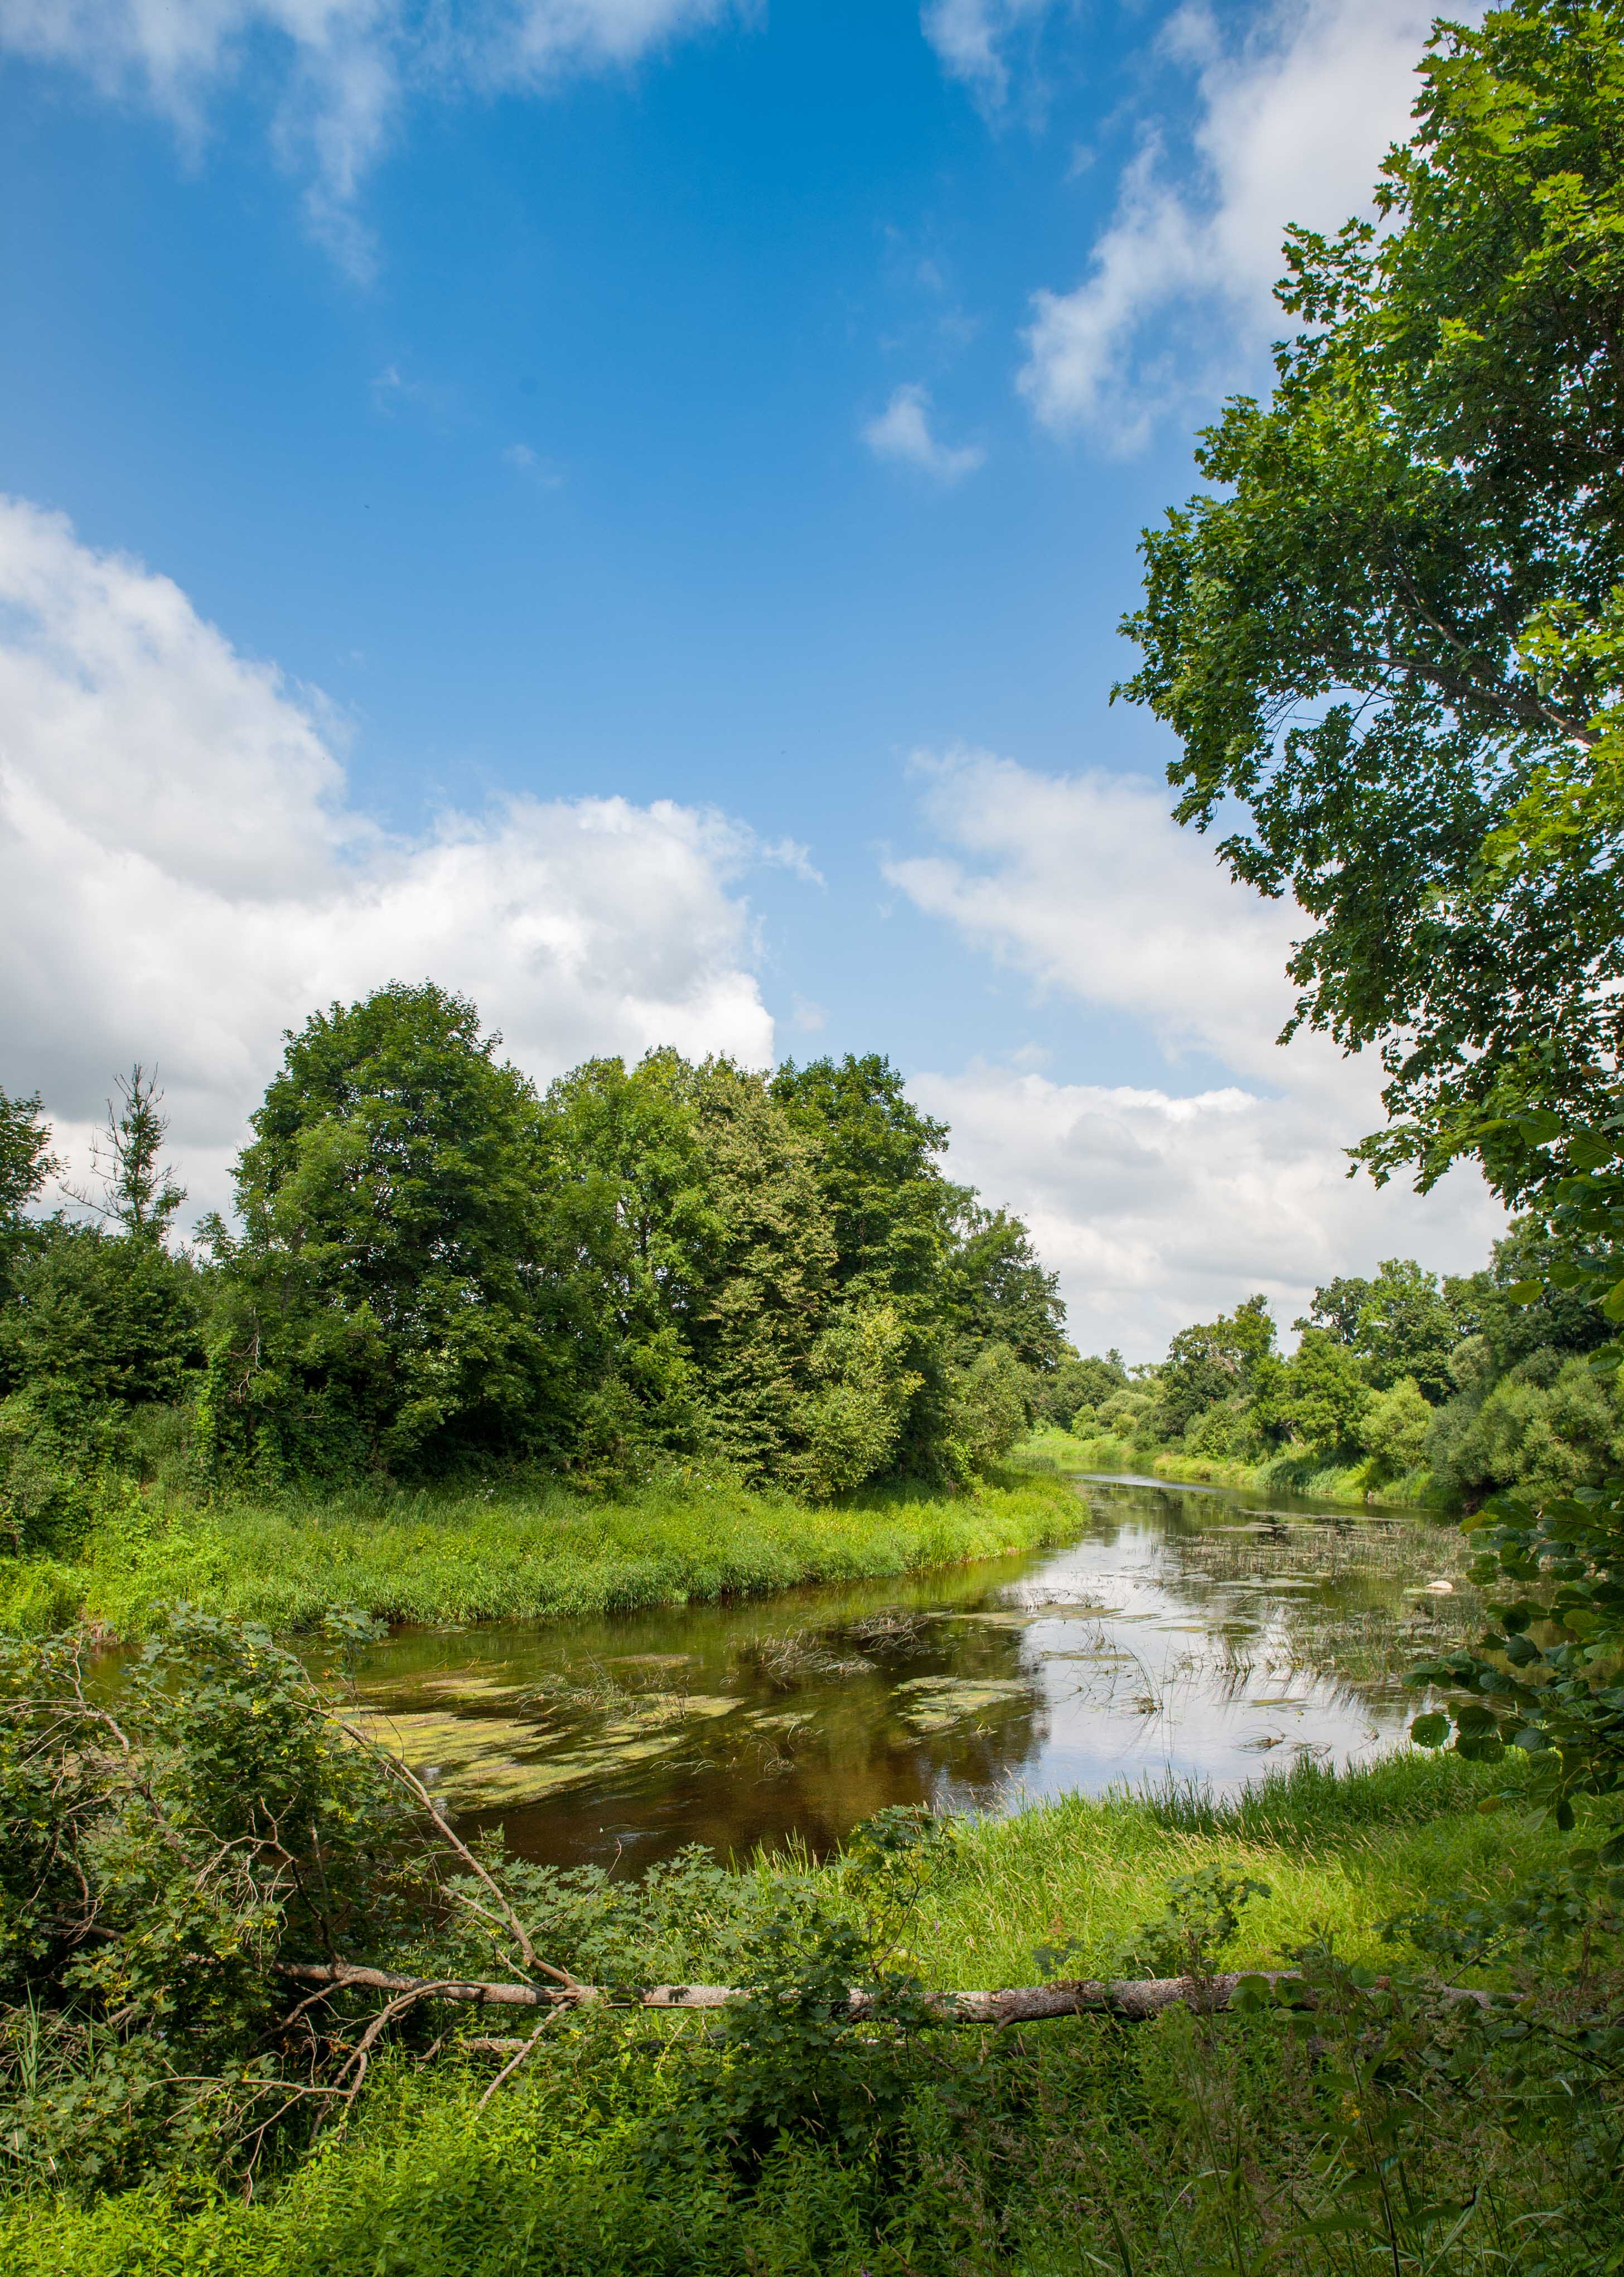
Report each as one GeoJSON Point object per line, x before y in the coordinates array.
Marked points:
{"type": "Point", "coordinates": [1184, 1634]}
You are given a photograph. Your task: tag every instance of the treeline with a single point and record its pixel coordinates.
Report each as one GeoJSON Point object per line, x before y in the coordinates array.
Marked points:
{"type": "Point", "coordinates": [1462, 1379]}
{"type": "Point", "coordinates": [434, 1267]}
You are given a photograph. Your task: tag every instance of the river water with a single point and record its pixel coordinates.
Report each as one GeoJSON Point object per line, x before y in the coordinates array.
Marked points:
{"type": "Point", "coordinates": [1184, 1634]}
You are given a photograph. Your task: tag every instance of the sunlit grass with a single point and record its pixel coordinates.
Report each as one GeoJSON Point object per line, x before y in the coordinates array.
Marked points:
{"type": "Point", "coordinates": [1340, 1854]}
{"type": "Point", "coordinates": [510, 1552]}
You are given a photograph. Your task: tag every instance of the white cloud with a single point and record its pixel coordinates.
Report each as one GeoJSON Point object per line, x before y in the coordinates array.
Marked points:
{"type": "Point", "coordinates": [969, 37]}
{"type": "Point", "coordinates": [542, 472]}
{"type": "Point", "coordinates": [1158, 1207]}
{"type": "Point", "coordinates": [1294, 115]}
{"type": "Point", "coordinates": [182, 874]}
{"type": "Point", "coordinates": [336, 72]}
{"type": "Point", "coordinates": [901, 433]}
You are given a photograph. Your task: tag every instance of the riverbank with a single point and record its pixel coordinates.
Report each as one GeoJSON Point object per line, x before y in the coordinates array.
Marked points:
{"type": "Point", "coordinates": [510, 1551]}
{"type": "Point", "coordinates": [1300, 1474]}
{"type": "Point", "coordinates": [1014, 2151]}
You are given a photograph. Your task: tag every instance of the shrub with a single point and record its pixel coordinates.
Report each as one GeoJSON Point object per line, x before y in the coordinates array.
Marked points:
{"type": "Point", "coordinates": [1395, 1428]}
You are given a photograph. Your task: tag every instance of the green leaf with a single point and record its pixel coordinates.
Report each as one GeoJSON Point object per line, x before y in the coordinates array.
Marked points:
{"type": "Point", "coordinates": [1430, 1731]}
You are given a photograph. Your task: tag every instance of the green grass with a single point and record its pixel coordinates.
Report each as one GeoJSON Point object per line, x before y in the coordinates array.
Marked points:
{"type": "Point", "coordinates": [1340, 1854]}
{"type": "Point", "coordinates": [510, 1552]}
{"type": "Point", "coordinates": [1018, 2152]}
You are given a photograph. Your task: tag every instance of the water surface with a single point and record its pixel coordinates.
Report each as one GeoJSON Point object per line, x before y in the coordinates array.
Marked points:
{"type": "Point", "coordinates": [1186, 1633]}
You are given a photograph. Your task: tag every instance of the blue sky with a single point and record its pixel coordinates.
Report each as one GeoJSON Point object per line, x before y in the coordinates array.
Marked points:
{"type": "Point", "coordinates": [725, 427]}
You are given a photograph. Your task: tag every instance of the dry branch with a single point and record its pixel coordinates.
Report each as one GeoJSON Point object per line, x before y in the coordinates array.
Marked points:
{"type": "Point", "coordinates": [1137, 1998]}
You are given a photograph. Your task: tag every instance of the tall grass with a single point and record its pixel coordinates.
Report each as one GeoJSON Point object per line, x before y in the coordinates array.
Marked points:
{"type": "Point", "coordinates": [512, 1549]}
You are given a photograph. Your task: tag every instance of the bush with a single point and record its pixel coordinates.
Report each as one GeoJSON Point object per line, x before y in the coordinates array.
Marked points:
{"type": "Point", "coordinates": [992, 1407]}
{"type": "Point", "coordinates": [1395, 1428]}
{"type": "Point", "coordinates": [1549, 1427]}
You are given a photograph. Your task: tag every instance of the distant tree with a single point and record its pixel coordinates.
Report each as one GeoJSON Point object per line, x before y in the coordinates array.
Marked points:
{"type": "Point", "coordinates": [1408, 1326]}
{"type": "Point", "coordinates": [110, 1319]}
{"type": "Point", "coordinates": [100, 1313]}
{"type": "Point", "coordinates": [998, 1291]}
{"type": "Point", "coordinates": [1081, 1385]}
{"type": "Point", "coordinates": [1322, 1396]}
{"type": "Point", "coordinates": [1561, 1320]}
{"type": "Point", "coordinates": [1213, 1361]}
{"type": "Point", "coordinates": [877, 1159]}
{"type": "Point", "coordinates": [1336, 1306]}
{"type": "Point", "coordinates": [1397, 1427]}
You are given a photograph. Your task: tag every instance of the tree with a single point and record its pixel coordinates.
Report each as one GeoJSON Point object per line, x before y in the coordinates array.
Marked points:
{"type": "Point", "coordinates": [383, 1289]}
{"type": "Point", "coordinates": [1336, 1306]}
{"type": "Point", "coordinates": [1407, 1327]}
{"type": "Point", "coordinates": [998, 1290]}
{"type": "Point", "coordinates": [1323, 1395]}
{"type": "Point", "coordinates": [139, 1193]}
{"type": "Point", "coordinates": [876, 1156]}
{"type": "Point", "coordinates": [26, 1163]}
{"type": "Point", "coordinates": [109, 1318]}
{"type": "Point", "coordinates": [96, 1313]}
{"type": "Point", "coordinates": [1395, 636]}
{"type": "Point", "coordinates": [1213, 1362]}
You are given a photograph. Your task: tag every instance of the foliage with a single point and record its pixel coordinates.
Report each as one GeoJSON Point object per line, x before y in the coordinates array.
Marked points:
{"type": "Point", "coordinates": [1397, 1428]}
{"type": "Point", "coordinates": [1207, 1363]}
{"type": "Point", "coordinates": [1393, 632]}
{"type": "Point", "coordinates": [379, 1305]}
{"type": "Point", "coordinates": [164, 1850]}
{"type": "Point", "coordinates": [1323, 1397]}
{"type": "Point", "coordinates": [26, 1165]}
{"type": "Point", "coordinates": [1079, 1386]}
{"type": "Point", "coordinates": [118, 1319]}
{"type": "Point", "coordinates": [57, 1460]}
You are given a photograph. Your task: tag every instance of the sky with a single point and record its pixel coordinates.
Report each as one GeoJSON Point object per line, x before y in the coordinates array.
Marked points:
{"type": "Point", "coordinates": [624, 507]}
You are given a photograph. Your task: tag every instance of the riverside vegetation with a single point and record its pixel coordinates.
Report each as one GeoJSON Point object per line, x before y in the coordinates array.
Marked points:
{"type": "Point", "coordinates": [1391, 640]}
{"type": "Point", "coordinates": [1404, 1388]}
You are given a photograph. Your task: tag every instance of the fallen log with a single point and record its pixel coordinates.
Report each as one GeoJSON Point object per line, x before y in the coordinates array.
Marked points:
{"type": "Point", "coordinates": [1135, 1998]}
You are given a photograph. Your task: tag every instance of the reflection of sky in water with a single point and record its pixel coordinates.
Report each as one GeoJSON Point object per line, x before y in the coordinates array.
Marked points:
{"type": "Point", "coordinates": [1183, 1636]}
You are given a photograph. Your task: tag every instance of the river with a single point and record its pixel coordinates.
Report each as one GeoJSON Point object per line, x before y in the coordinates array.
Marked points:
{"type": "Point", "coordinates": [1184, 1634]}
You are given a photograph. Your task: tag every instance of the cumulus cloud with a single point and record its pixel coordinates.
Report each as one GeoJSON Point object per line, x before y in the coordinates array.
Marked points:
{"type": "Point", "coordinates": [1158, 1204]}
{"type": "Point", "coordinates": [970, 38]}
{"type": "Point", "coordinates": [183, 873]}
{"type": "Point", "coordinates": [1294, 116]}
{"type": "Point", "coordinates": [902, 434]}
{"type": "Point", "coordinates": [338, 71]}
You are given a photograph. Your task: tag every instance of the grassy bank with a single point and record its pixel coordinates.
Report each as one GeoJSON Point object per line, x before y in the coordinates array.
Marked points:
{"type": "Point", "coordinates": [510, 1552]}
{"type": "Point", "coordinates": [1305, 1475]}
{"type": "Point", "coordinates": [1072, 2146]}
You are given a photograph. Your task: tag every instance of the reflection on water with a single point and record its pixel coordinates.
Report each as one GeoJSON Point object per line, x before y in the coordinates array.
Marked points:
{"type": "Point", "coordinates": [1183, 1634]}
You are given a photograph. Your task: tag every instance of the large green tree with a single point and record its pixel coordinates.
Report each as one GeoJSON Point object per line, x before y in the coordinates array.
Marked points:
{"type": "Point", "coordinates": [383, 1289]}
{"type": "Point", "coordinates": [1391, 635]}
